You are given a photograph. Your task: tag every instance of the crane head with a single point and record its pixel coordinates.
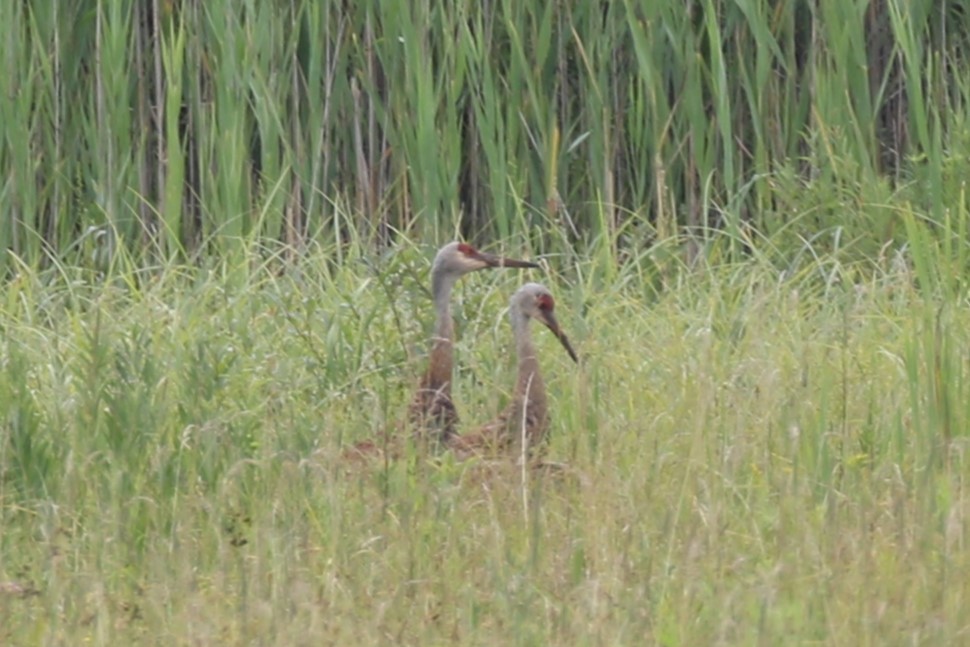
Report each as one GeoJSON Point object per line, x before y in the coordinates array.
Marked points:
{"type": "Point", "coordinates": [535, 301]}
{"type": "Point", "coordinates": [461, 258]}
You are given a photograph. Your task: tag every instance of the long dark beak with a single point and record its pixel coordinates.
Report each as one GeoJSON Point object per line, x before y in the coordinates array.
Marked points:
{"type": "Point", "coordinates": [491, 260]}
{"type": "Point", "coordinates": [549, 319]}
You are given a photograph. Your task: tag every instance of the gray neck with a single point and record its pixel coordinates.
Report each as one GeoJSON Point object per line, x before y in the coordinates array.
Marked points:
{"type": "Point", "coordinates": [441, 286]}
{"type": "Point", "coordinates": [438, 376]}
{"type": "Point", "coordinates": [529, 381]}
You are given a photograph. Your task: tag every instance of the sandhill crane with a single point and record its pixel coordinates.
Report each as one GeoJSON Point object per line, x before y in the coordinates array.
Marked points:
{"type": "Point", "coordinates": [525, 421]}
{"type": "Point", "coordinates": [432, 414]}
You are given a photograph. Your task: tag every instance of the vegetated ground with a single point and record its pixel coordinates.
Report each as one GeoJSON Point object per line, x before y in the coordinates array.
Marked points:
{"type": "Point", "coordinates": [750, 456]}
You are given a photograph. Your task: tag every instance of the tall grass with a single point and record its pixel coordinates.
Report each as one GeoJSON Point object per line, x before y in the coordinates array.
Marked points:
{"type": "Point", "coordinates": [751, 457]}
{"type": "Point", "coordinates": [218, 221]}
{"type": "Point", "coordinates": [190, 127]}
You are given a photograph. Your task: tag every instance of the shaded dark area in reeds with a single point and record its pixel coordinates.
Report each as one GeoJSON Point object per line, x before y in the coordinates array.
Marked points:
{"type": "Point", "coordinates": [190, 127]}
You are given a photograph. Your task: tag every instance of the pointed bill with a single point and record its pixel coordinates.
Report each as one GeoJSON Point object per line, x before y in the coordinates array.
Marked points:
{"type": "Point", "coordinates": [549, 319]}
{"type": "Point", "coordinates": [492, 260]}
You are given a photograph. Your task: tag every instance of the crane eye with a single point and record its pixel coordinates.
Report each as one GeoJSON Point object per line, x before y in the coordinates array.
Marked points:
{"type": "Point", "coordinates": [466, 249]}
{"type": "Point", "coordinates": [545, 302]}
